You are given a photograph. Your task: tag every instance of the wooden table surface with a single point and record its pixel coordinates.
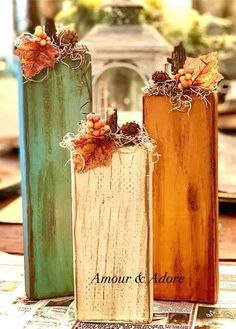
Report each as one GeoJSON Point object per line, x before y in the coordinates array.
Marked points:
{"type": "Point", "coordinates": [11, 235]}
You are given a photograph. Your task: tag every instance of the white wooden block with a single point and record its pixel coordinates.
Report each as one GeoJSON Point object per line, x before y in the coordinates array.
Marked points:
{"type": "Point", "coordinates": [113, 239]}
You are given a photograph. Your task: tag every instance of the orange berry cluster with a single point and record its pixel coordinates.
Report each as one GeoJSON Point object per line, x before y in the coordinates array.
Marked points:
{"type": "Point", "coordinates": [41, 37]}
{"type": "Point", "coordinates": [185, 77]}
{"type": "Point", "coordinates": [96, 126]}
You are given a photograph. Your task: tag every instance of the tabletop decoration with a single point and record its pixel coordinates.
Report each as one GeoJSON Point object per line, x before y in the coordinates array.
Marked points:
{"type": "Point", "coordinates": [55, 91]}
{"type": "Point", "coordinates": [40, 51]}
{"type": "Point", "coordinates": [198, 76]}
{"type": "Point", "coordinates": [185, 195]}
{"type": "Point", "coordinates": [112, 224]}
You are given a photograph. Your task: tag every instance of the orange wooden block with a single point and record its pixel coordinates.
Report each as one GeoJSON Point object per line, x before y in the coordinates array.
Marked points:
{"type": "Point", "coordinates": [185, 204]}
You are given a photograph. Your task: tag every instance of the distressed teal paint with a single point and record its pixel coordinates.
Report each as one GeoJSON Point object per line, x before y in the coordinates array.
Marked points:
{"type": "Point", "coordinates": [51, 109]}
{"type": "Point", "coordinates": [23, 167]}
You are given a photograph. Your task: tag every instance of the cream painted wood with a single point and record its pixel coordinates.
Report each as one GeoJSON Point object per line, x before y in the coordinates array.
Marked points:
{"type": "Point", "coordinates": [113, 238]}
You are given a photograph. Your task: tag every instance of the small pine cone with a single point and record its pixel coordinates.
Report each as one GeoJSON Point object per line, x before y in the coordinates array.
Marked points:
{"type": "Point", "coordinates": [68, 36]}
{"type": "Point", "coordinates": [130, 129]}
{"type": "Point", "coordinates": [160, 76]}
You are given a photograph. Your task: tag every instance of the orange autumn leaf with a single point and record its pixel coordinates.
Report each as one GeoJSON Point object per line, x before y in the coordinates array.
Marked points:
{"type": "Point", "coordinates": [205, 67]}
{"type": "Point", "coordinates": [34, 57]}
{"type": "Point", "coordinates": [92, 152]}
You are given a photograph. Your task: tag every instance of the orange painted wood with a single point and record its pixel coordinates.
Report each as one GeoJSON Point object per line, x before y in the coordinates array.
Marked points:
{"type": "Point", "coordinates": [185, 205]}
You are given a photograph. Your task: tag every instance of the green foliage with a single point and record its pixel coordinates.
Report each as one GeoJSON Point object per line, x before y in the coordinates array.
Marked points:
{"type": "Point", "coordinates": [152, 12]}
{"type": "Point", "coordinates": [196, 37]}
{"type": "Point", "coordinates": [195, 41]}
{"type": "Point", "coordinates": [83, 14]}
{"type": "Point", "coordinates": [87, 17]}
{"type": "Point", "coordinates": [124, 16]}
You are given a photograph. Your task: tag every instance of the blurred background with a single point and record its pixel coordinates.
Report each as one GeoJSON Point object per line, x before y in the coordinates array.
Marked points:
{"type": "Point", "coordinates": [128, 40]}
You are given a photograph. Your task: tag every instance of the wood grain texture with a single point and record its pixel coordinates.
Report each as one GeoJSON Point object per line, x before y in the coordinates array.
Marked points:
{"type": "Point", "coordinates": [11, 238]}
{"type": "Point", "coordinates": [185, 207]}
{"type": "Point", "coordinates": [51, 109]}
{"type": "Point", "coordinates": [113, 238]}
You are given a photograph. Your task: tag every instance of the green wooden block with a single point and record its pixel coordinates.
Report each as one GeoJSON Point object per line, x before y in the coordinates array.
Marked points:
{"type": "Point", "coordinates": [51, 108]}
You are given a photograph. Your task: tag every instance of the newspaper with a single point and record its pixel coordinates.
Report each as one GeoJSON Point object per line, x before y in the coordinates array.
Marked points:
{"type": "Point", "coordinates": [16, 311]}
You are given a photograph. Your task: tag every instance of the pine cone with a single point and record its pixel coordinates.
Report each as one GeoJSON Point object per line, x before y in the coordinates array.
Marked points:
{"type": "Point", "coordinates": [130, 129]}
{"type": "Point", "coordinates": [68, 36]}
{"type": "Point", "coordinates": [160, 76]}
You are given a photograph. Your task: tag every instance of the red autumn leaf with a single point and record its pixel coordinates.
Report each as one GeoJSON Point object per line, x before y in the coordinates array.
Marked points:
{"type": "Point", "coordinates": [92, 152]}
{"type": "Point", "coordinates": [34, 57]}
{"type": "Point", "coordinates": [205, 70]}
